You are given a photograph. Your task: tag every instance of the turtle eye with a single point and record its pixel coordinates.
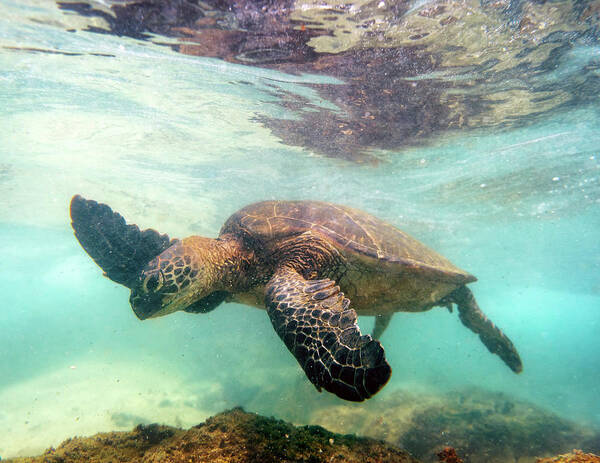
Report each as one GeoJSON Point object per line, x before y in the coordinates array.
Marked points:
{"type": "Point", "coordinates": [153, 282]}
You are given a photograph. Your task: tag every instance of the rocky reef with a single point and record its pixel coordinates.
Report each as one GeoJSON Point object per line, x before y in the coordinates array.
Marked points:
{"type": "Point", "coordinates": [230, 437]}
{"type": "Point", "coordinates": [466, 426]}
{"type": "Point", "coordinates": [483, 426]}
{"type": "Point", "coordinates": [577, 456]}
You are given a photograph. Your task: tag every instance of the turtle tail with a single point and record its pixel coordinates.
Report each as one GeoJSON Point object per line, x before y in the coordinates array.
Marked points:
{"type": "Point", "coordinates": [121, 250]}
{"type": "Point", "coordinates": [494, 339]}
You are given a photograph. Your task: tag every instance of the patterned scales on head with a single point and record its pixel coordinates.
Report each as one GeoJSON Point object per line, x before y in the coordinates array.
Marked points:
{"type": "Point", "coordinates": [312, 265]}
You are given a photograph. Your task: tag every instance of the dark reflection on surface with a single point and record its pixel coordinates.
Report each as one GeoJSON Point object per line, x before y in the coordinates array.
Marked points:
{"type": "Point", "coordinates": [409, 69]}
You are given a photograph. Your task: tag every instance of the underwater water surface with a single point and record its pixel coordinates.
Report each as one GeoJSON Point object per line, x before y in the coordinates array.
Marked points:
{"type": "Point", "coordinates": [177, 143]}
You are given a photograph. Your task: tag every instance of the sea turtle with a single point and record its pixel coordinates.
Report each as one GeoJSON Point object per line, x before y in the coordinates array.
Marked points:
{"type": "Point", "coordinates": [304, 261]}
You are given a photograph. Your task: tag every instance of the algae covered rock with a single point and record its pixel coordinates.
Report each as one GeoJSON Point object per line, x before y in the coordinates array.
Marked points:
{"type": "Point", "coordinates": [577, 456]}
{"type": "Point", "coordinates": [230, 437]}
{"type": "Point", "coordinates": [483, 426]}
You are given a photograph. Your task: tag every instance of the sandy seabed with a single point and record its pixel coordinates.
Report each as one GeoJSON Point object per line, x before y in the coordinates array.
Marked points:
{"type": "Point", "coordinates": [89, 397]}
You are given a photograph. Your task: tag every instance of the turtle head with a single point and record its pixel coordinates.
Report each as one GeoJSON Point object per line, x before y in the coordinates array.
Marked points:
{"type": "Point", "coordinates": [175, 274]}
{"type": "Point", "coordinates": [180, 278]}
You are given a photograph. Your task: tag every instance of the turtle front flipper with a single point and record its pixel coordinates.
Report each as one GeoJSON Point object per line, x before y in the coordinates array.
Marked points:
{"type": "Point", "coordinates": [121, 250]}
{"type": "Point", "coordinates": [494, 339]}
{"type": "Point", "coordinates": [316, 323]}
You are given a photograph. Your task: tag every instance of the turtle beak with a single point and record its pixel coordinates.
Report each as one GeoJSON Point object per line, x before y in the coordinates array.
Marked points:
{"type": "Point", "coordinates": [151, 305]}
{"type": "Point", "coordinates": [146, 305]}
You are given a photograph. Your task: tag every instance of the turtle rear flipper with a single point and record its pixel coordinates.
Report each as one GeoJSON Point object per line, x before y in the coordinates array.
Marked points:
{"type": "Point", "coordinates": [316, 323]}
{"type": "Point", "coordinates": [121, 250]}
{"type": "Point", "coordinates": [494, 339]}
{"type": "Point", "coordinates": [381, 323]}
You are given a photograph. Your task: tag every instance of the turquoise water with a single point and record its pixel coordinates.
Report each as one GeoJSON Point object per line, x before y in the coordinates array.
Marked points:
{"type": "Point", "coordinates": [175, 143]}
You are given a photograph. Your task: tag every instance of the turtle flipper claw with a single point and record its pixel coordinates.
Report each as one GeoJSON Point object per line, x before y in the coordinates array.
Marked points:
{"type": "Point", "coordinates": [314, 320]}
{"type": "Point", "coordinates": [121, 250]}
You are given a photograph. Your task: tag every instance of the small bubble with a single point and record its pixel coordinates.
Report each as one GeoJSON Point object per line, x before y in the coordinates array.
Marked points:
{"type": "Point", "coordinates": [483, 185]}
{"type": "Point", "coordinates": [555, 179]}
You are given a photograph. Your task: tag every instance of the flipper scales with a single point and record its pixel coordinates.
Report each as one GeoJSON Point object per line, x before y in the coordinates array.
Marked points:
{"type": "Point", "coordinates": [316, 323]}
{"type": "Point", "coordinates": [121, 250]}
{"type": "Point", "coordinates": [490, 335]}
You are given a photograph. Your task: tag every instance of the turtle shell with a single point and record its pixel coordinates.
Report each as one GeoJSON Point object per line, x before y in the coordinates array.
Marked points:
{"type": "Point", "coordinates": [350, 230]}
